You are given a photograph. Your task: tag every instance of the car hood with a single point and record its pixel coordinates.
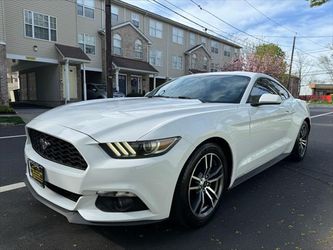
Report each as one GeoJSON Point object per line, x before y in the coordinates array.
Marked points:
{"type": "Point", "coordinates": [121, 119]}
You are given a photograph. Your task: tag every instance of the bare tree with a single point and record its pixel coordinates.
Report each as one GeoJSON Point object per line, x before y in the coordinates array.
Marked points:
{"type": "Point", "coordinates": [326, 63]}
{"type": "Point", "coordinates": [303, 66]}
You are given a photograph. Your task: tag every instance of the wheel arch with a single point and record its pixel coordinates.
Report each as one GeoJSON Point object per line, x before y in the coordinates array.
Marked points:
{"type": "Point", "coordinates": [307, 120]}
{"type": "Point", "coordinates": [224, 145]}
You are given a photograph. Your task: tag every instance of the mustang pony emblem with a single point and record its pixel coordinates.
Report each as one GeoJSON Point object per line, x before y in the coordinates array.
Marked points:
{"type": "Point", "coordinates": [44, 143]}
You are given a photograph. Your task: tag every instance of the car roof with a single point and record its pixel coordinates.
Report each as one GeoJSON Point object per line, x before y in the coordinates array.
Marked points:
{"type": "Point", "coordinates": [238, 73]}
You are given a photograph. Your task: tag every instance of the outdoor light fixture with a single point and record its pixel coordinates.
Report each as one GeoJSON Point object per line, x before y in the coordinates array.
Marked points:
{"type": "Point", "coordinates": [35, 48]}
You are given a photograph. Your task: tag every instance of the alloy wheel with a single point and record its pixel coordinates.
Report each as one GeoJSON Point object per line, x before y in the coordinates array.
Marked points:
{"type": "Point", "coordinates": [303, 140]}
{"type": "Point", "coordinates": [206, 185]}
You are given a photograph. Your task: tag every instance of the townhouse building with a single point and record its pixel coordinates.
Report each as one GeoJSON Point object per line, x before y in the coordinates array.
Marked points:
{"type": "Point", "coordinates": [58, 46]}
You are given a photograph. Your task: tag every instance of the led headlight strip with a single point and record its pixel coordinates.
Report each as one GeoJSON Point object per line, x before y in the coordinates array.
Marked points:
{"type": "Point", "coordinates": [139, 149]}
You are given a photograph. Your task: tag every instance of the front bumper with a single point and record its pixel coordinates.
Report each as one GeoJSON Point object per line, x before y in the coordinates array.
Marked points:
{"type": "Point", "coordinates": [75, 217]}
{"type": "Point", "coordinates": [152, 180]}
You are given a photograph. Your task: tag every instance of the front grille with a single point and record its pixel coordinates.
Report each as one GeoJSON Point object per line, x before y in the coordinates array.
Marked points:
{"type": "Point", "coordinates": [57, 150]}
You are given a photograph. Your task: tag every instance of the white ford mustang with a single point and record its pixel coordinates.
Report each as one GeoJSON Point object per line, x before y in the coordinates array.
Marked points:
{"type": "Point", "coordinates": [172, 153]}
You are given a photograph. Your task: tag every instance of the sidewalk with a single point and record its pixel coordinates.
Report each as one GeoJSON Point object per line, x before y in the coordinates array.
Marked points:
{"type": "Point", "coordinates": [27, 114]}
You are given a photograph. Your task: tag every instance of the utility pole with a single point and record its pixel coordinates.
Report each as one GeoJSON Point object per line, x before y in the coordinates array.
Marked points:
{"type": "Point", "coordinates": [291, 63]}
{"type": "Point", "coordinates": [108, 41]}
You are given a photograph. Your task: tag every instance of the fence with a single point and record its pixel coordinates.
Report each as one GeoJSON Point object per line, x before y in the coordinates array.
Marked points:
{"type": "Point", "coordinates": [317, 98]}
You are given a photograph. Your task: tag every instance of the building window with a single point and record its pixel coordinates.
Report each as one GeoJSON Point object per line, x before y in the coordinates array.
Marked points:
{"type": "Point", "coordinates": [40, 26]}
{"type": "Point", "coordinates": [114, 14]}
{"type": "Point", "coordinates": [155, 28]}
{"type": "Point", "coordinates": [214, 47]}
{"type": "Point", "coordinates": [192, 39]}
{"type": "Point", "coordinates": [86, 8]}
{"type": "Point", "coordinates": [138, 49]}
{"type": "Point", "coordinates": [227, 50]}
{"type": "Point", "coordinates": [155, 58]}
{"type": "Point", "coordinates": [135, 19]}
{"type": "Point", "coordinates": [87, 43]}
{"type": "Point", "coordinates": [177, 35]}
{"type": "Point", "coordinates": [212, 67]}
{"type": "Point", "coordinates": [177, 62]}
{"type": "Point", "coordinates": [117, 44]}
{"type": "Point", "coordinates": [205, 63]}
{"type": "Point", "coordinates": [194, 61]}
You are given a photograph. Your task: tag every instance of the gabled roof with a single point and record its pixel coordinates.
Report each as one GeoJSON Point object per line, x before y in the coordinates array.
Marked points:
{"type": "Point", "coordinates": [147, 13]}
{"type": "Point", "coordinates": [72, 53]}
{"type": "Point", "coordinates": [135, 28]}
{"type": "Point", "coordinates": [196, 47]}
{"type": "Point", "coordinates": [133, 64]}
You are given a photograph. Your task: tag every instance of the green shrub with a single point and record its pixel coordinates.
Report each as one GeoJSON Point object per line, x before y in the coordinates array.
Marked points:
{"type": "Point", "coordinates": [6, 110]}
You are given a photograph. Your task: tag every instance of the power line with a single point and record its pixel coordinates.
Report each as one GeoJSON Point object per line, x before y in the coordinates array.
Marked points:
{"type": "Point", "coordinates": [243, 41]}
{"type": "Point", "coordinates": [279, 23]}
{"type": "Point", "coordinates": [297, 36]}
{"type": "Point", "coordinates": [272, 20]}
{"type": "Point", "coordinates": [225, 22]}
{"type": "Point", "coordinates": [196, 23]}
{"type": "Point", "coordinates": [201, 8]}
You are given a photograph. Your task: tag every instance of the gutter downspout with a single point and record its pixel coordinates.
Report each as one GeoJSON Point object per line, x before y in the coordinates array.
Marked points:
{"type": "Point", "coordinates": [67, 81]}
{"type": "Point", "coordinates": [84, 82]}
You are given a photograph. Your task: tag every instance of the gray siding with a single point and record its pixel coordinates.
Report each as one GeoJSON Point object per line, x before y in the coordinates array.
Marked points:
{"type": "Point", "coordinates": [2, 22]}
{"type": "Point", "coordinates": [92, 27]}
{"type": "Point", "coordinates": [19, 44]}
{"type": "Point", "coordinates": [167, 46]}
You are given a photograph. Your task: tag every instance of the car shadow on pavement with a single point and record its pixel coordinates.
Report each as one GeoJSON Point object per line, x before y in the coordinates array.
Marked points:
{"type": "Point", "coordinates": [283, 207]}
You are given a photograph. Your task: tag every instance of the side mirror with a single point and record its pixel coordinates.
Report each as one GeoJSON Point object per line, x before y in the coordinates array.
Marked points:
{"type": "Point", "coordinates": [268, 99]}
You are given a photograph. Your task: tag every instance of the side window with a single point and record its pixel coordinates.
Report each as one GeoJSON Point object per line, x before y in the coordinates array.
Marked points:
{"type": "Point", "coordinates": [282, 91]}
{"type": "Point", "coordinates": [261, 87]}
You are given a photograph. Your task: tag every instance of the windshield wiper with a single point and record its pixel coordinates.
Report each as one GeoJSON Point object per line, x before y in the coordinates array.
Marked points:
{"type": "Point", "coordinates": [187, 97]}
{"type": "Point", "coordinates": [165, 96]}
{"type": "Point", "coordinates": [183, 97]}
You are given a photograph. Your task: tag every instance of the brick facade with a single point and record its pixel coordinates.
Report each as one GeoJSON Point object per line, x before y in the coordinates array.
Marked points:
{"type": "Point", "coordinates": [128, 37]}
{"type": "Point", "coordinates": [199, 64]}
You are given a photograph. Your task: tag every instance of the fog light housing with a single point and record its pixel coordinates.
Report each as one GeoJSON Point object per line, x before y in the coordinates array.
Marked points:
{"type": "Point", "coordinates": [119, 202]}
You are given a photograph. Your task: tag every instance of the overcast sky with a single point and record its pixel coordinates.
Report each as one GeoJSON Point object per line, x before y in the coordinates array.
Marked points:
{"type": "Point", "coordinates": [278, 18]}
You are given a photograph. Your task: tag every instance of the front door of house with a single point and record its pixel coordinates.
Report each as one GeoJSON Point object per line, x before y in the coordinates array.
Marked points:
{"type": "Point", "coordinates": [135, 85]}
{"type": "Point", "coordinates": [122, 84]}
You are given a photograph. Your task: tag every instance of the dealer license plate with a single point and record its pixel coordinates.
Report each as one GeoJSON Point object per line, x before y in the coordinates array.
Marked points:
{"type": "Point", "coordinates": [36, 171]}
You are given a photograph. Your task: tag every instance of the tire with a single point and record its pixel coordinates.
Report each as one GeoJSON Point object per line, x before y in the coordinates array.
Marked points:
{"type": "Point", "coordinates": [301, 143]}
{"type": "Point", "coordinates": [199, 189]}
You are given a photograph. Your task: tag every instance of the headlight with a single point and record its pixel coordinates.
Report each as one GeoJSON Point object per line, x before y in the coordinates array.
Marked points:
{"type": "Point", "coordinates": [139, 149]}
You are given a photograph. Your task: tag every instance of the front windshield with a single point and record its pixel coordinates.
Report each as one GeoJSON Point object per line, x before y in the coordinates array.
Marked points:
{"type": "Point", "coordinates": [208, 88]}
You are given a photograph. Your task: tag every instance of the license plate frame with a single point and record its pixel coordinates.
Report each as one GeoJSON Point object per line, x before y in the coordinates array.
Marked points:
{"type": "Point", "coordinates": [37, 172]}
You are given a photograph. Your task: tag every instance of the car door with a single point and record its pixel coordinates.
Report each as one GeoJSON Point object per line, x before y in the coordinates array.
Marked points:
{"type": "Point", "coordinates": [268, 125]}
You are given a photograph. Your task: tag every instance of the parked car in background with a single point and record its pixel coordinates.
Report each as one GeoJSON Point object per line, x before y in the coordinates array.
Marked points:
{"type": "Point", "coordinates": [173, 153]}
{"type": "Point", "coordinates": [98, 91]}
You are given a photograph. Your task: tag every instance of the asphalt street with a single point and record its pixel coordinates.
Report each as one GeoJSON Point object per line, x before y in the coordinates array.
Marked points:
{"type": "Point", "coordinates": [288, 206]}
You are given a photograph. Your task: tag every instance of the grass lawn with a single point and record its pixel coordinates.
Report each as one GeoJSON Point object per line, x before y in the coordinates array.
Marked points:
{"type": "Point", "coordinates": [11, 120]}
